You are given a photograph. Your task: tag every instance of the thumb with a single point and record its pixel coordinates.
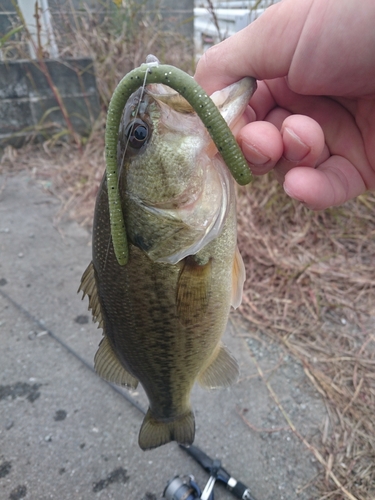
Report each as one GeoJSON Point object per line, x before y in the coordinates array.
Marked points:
{"type": "Point", "coordinates": [263, 50]}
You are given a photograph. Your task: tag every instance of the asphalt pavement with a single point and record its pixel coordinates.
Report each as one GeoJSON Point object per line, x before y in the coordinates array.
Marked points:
{"type": "Point", "coordinates": [66, 434]}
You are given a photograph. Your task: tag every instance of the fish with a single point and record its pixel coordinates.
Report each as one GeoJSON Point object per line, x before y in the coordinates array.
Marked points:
{"type": "Point", "coordinates": [163, 314]}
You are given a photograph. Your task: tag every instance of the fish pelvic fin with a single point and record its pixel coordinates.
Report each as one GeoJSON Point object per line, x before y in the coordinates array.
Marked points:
{"type": "Point", "coordinates": [193, 290]}
{"type": "Point", "coordinates": [155, 432]}
{"type": "Point", "coordinates": [108, 366]}
{"type": "Point", "coordinates": [221, 371]}
{"type": "Point", "coordinates": [88, 287]}
{"type": "Point", "coordinates": [238, 279]}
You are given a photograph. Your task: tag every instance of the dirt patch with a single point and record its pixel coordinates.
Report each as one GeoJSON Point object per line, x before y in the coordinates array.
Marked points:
{"type": "Point", "coordinates": [20, 390]}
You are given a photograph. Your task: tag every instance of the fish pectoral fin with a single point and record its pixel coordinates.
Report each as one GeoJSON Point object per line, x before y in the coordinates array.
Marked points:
{"type": "Point", "coordinates": [238, 279]}
{"type": "Point", "coordinates": [89, 288]}
{"type": "Point", "coordinates": [155, 432]}
{"type": "Point", "coordinates": [222, 370]}
{"type": "Point", "coordinates": [193, 290]}
{"type": "Point", "coordinates": [108, 366]}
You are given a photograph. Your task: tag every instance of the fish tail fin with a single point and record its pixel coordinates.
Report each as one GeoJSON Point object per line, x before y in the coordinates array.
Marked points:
{"type": "Point", "coordinates": [155, 432]}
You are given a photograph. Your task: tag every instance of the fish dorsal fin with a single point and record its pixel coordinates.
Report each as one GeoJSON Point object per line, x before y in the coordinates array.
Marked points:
{"type": "Point", "coordinates": [109, 367]}
{"type": "Point", "coordinates": [193, 290]}
{"type": "Point", "coordinates": [222, 370]}
{"type": "Point", "coordinates": [89, 288]}
{"type": "Point", "coordinates": [238, 279]}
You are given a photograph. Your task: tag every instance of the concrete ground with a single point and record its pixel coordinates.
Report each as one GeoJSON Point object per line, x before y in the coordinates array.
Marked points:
{"type": "Point", "coordinates": [66, 434]}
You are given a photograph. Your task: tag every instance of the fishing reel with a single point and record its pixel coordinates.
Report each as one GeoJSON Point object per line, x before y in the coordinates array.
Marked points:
{"type": "Point", "coordinates": [182, 489]}
{"type": "Point", "coordinates": [186, 488]}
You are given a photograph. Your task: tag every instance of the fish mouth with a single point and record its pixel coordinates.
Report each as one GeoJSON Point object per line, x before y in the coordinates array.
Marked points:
{"type": "Point", "coordinates": [232, 102]}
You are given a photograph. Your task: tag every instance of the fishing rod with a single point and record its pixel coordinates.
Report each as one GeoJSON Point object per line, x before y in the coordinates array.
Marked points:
{"type": "Point", "coordinates": [178, 488]}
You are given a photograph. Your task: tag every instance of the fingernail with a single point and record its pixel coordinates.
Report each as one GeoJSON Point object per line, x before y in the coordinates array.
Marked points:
{"type": "Point", "coordinates": [291, 194]}
{"type": "Point", "coordinates": [253, 155]}
{"type": "Point", "coordinates": [294, 148]}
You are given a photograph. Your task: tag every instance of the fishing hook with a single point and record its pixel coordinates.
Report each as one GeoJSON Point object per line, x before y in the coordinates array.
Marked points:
{"type": "Point", "coordinates": [184, 84]}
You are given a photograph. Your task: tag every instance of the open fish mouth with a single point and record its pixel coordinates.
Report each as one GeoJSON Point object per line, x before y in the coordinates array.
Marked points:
{"type": "Point", "coordinates": [231, 102]}
{"type": "Point", "coordinates": [204, 205]}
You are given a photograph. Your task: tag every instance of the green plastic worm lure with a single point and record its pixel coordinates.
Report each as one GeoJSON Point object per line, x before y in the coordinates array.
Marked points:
{"type": "Point", "coordinates": [184, 84]}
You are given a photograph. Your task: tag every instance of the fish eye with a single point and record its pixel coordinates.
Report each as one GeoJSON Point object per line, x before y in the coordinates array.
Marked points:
{"type": "Point", "coordinates": [137, 134]}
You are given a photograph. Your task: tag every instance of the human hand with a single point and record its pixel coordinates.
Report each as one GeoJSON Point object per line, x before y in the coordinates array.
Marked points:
{"type": "Point", "coordinates": [312, 117]}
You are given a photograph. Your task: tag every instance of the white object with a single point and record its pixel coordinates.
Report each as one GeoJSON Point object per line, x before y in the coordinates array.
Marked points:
{"type": "Point", "coordinates": [47, 38]}
{"type": "Point", "coordinates": [229, 18]}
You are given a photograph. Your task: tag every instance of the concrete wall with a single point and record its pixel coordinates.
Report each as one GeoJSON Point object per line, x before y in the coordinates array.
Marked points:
{"type": "Point", "coordinates": [6, 9]}
{"type": "Point", "coordinates": [7, 16]}
{"type": "Point", "coordinates": [28, 107]}
{"type": "Point", "coordinates": [26, 99]}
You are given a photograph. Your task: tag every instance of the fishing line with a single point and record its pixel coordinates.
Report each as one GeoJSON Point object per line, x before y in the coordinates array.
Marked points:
{"type": "Point", "coordinates": [143, 91]}
{"type": "Point", "coordinates": [55, 337]}
{"type": "Point", "coordinates": [205, 109]}
{"type": "Point", "coordinates": [143, 87]}
{"type": "Point", "coordinates": [213, 467]}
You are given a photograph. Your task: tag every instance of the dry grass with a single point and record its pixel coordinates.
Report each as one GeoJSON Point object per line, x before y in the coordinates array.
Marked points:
{"type": "Point", "coordinates": [310, 276]}
{"type": "Point", "coordinates": [73, 176]}
{"type": "Point", "coordinates": [311, 285]}
{"type": "Point", "coordinates": [120, 41]}
{"type": "Point", "coordinates": [117, 40]}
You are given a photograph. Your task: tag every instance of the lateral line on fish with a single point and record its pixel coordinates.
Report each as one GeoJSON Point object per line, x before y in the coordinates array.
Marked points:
{"type": "Point", "coordinates": [202, 104]}
{"type": "Point", "coordinates": [107, 252]}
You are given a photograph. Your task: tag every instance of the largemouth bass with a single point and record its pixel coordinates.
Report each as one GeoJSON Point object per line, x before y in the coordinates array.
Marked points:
{"type": "Point", "coordinates": [163, 313]}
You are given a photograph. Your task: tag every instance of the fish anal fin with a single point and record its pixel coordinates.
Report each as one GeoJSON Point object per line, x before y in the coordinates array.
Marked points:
{"type": "Point", "coordinates": [109, 367]}
{"type": "Point", "coordinates": [89, 288]}
{"type": "Point", "coordinates": [238, 279]}
{"type": "Point", "coordinates": [155, 432]}
{"type": "Point", "coordinates": [193, 290]}
{"type": "Point", "coordinates": [222, 370]}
